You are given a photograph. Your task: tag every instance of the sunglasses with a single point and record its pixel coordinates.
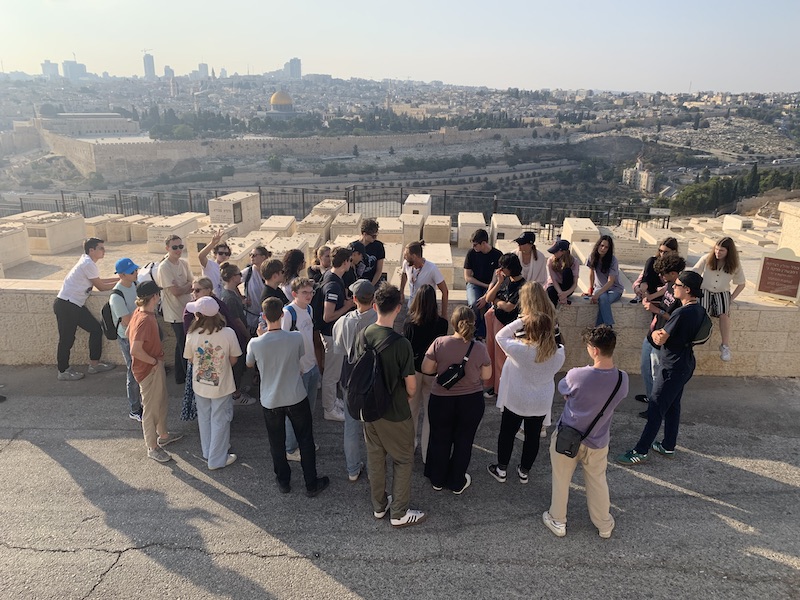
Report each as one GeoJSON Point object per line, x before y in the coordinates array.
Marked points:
{"type": "Point", "coordinates": [223, 253]}
{"type": "Point", "coordinates": [198, 290]}
{"type": "Point", "coordinates": [178, 247]}
{"type": "Point", "coordinates": [678, 284]}
{"type": "Point", "coordinates": [255, 255]}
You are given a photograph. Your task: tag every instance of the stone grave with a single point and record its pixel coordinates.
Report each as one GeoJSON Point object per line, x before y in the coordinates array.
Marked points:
{"type": "Point", "coordinates": [346, 224]}
{"type": "Point", "coordinates": [200, 237]}
{"type": "Point", "coordinates": [437, 230]}
{"type": "Point", "coordinates": [13, 244]}
{"type": "Point", "coordinates": [330, 206]}
{"type": "Point", "coordinates": [282, 225]}
{"type": "Point", "coordinates": [412, 227]}
{"type": "Point", "coordinates": [97, 226]}
{"type": "Point", "coordinates": [319, 223]}
{"type": "Point", "coordinates": [138, 228]}
{"type": "Point", "coordinates": [181, 225]}
{"type": "Point", "coordinates": [505, 227]}
{"type": "Point", "coordinates": [54, 233]}
{"type": "Point", "coordinates": [238, 208]}
{"type": "Point", "coordinates": [418, 204]}
{"type": "Point", "coordinates": [119, 230]}
{"type": "Point", "coordinates": [390, 230]}
{"type": "Point", "coordinates": [468, 223]}
{"type": "Point", "coordinates": [442, 256]}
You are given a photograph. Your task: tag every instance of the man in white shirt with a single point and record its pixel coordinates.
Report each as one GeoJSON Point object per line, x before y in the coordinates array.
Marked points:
{"type": "Point", "coordinates": [222, 253]}
{"type": "Point", "coordinates": [71, 312]}
{"type": "Point", "coordinates": [417, 272]}
{"type": "Point", "coordinates": [175, 279]}
{"type": "Point", "coordinates": [254, 285]}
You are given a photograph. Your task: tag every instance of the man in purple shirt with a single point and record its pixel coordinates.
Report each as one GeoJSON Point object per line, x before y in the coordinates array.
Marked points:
{"type": "Point", "coordinates": [586, 390]}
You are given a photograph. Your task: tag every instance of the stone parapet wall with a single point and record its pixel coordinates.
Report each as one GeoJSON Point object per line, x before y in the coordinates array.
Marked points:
{"type": "Point", "coordinates": [761, 339]}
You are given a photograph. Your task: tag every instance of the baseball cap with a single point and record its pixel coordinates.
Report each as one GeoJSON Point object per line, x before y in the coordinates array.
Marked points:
{"type": "Point", "coordinates": [126, 266]}
{"type": "Point", "coordinates": [205, 306]}
{"type": "Point", "coordinates": [559, 245]}
{"type": "Point", "coordinates": [527, 237]}
{"type": "Point", "coordinates": [147, 288]}
{"type": "Point", "coordinates": [362, 288]}
{"type": "Point", "coordinates": [357, 247]}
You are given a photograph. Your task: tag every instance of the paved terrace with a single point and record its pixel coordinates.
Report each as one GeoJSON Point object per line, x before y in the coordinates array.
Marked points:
{"type": "Point", "coordinates": [84, 514]}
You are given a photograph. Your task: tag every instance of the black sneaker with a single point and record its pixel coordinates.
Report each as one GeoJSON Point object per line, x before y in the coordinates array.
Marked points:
{"type": "Point", "coordinates": [322, 483]}
{"type": "Point", "coordinates": [497, 473]}
{"type": "Point", "coordinates": [643, 414]}
{"type": "Point", "coordinates": [642, 398]}
{"type": "Point", "coordinates": [284, 488]}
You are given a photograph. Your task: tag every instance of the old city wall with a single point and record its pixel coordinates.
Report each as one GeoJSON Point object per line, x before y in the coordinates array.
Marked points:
{"type": "Point", "coordinates": [130, 160]}
{"type": "Point", "coordinates": [761, 338]}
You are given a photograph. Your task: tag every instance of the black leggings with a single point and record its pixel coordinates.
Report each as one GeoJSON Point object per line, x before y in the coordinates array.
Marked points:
{"type": "Point", "coordinates": [509, 425]}
{"type": "Point", "coordinates": [567, 280]}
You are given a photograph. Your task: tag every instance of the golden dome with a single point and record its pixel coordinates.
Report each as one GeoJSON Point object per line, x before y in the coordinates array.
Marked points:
{"type": "Point", "coordinates": [280, 99]}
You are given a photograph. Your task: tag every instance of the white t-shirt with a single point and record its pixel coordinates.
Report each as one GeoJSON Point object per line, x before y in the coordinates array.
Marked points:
{"type": "Point", "coordinates": [305, 325]}
{"type": "Point", "coordinates": [211, 270]}
{"type": "Point", "coordinates": [179, 273]}
{"type": "Point", "coordinates": [253, 287]}
{"type": "Point", "coordinates": [78, 282]}
{"type": "Point", "coordinates": [536, 270]}
{"type": "Point", "coordinates": [212, 374]}
{"type": "Point", "coordinates": [428, 273]}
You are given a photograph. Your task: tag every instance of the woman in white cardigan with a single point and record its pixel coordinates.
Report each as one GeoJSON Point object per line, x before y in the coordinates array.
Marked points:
{"type": "Point", "coordinates": [526, 385]}
{"type": "Point", "coordinates": [534, 263]}
{"type": "Point", "coordinates": [720, 268]}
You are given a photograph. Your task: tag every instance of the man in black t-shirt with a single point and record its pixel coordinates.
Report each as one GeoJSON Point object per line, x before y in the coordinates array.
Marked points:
{"type": "Point", "coordinates": [272, 273]}
{"type": "Point", "coordinates": [676, 356]}
{"type": "Point", "coordinates": [336, 303]}
{"type": "Point", "coordinates": [374, 252]}
{"type": "Point", "coordinates": [480, 263]}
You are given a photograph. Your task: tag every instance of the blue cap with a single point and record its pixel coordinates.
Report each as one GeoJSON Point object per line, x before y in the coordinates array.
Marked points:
{"type": "Point", "coordinates": [125, 265]}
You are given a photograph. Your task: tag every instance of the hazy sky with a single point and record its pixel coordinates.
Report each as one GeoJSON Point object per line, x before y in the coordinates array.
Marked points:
{"type": "Point", "coordinates": [620, 45]}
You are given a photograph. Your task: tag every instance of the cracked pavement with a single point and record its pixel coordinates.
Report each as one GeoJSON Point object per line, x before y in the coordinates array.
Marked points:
{"type": "Point", "coordinates": [85, 515]}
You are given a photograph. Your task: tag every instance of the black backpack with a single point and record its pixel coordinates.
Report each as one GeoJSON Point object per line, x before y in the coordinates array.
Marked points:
{"type": "Point", "coordinates": [107, 321]}
{"type": "Point", "coordinates": [317, 305]}
{"type": "Point", "coordinates": [704, 332]}
{"type": "Point", "coordinates": [368, 396]}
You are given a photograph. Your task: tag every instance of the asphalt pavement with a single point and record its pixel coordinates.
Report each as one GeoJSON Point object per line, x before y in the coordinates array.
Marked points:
{"type": "Point", "coordinates": [85, 514]}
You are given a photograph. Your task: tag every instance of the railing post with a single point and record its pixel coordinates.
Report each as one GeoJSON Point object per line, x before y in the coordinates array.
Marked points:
{"type": "Point", "coordinates": [118, 202]}
{"type": "Point", "coordinates": [191, 204]}
{"type": "Point", "coordinates": [158, 203]}
{"type": "Point", "coordinates": [63, 203]}
{"type": "Point", "coordinates": [260, 202]}
{"type": "Point", "coordinates": [494, 204]}
{"type": "Point", "coordinates": [303, 201]}
{"type": "Point", "coordinates": [444, 203]}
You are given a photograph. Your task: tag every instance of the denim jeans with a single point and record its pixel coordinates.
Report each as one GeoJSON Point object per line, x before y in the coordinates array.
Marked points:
{"type": "Point", "coordinates": [353, 438]}
{"type": "Point", "coordinates": [131, 387]}
{"type": "Point", "coordinates": [310, 382]}
{"type": "Point", "coordinates": [300, 416]}
{"type": "Point", "coordinates": [180, 362]}
{"type": "Point", "coordinates": [473, 293]}
{"type": "Point", "coordinates": [665, 405]}
{"type": "Point", "coordinates": [604, 315]}
{"type": "Point", "coordinates": [649, 366]}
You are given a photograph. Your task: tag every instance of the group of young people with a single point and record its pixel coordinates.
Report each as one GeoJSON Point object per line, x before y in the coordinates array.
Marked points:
{"type": "Point", "coordinates": [302, 329]}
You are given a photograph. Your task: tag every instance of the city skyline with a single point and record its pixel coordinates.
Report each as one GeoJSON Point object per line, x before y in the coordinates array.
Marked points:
{"type": "Point", "coordinates": [532, 45]}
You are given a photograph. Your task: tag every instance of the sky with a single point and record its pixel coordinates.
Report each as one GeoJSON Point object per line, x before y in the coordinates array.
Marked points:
{"type": "Point", "coordinates": [679, 46]}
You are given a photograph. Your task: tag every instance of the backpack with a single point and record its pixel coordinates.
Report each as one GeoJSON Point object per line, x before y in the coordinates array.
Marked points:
{"type": "Point", "coordinates": [704, 332]}
{"type": "Point", "coordinates": [107, 323]}
{"type": "Point", "coordinates": [317, 306]}
{"type": "Point", "coordinates": [149, 271]}
{"type": "Point", "coordinates": [293, 313]}
{"type": "Point", "coordinates": [368, 395]}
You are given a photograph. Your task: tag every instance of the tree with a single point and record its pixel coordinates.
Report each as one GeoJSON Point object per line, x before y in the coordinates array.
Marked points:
{"type": "Point", "coordinates": [274, 163]}
{"type": "Point", "coordinates": [706, 174]}
{"type": "Point", "coordinates": [183, 132]}
{"type": "Point", "coordinates": [355, 149]}
{"type": "Point", "coordinates": [753, 180]}
{"type": "Point", "coordinates": [696, 123]}
{"type": "Point", "coordinates": [391, 150]}
{"type": "Point", "coordinates": [97, 181]}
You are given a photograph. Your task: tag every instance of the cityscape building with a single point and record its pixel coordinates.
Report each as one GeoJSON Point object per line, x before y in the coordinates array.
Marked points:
{"type": "Point", "coordinates": [149, 68]}
{"type": "Point", "coordinates": [50, 69]}
{"type": "Point", "coordinates": [73, 70]}
{"type": "Point", "coordinates": [202, 69]}
{"type": "Point", "coordinates": [291, 70]}
{"type": "Point", "coordinates": [639, 178]}
{"type": "Point", "coordinates": [169, 72]}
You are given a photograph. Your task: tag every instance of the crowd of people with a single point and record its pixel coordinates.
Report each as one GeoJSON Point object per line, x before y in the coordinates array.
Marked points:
{"type": "Point", "coordinates": [302, 329]}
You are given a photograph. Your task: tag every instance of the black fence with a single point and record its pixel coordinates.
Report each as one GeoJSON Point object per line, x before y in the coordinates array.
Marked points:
{"type": "Point", "coordinates": [372, 201]}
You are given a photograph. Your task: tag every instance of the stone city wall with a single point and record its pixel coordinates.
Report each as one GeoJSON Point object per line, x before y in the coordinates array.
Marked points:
{"type": "Point", "coordinates": [132, 160]}
{"type": "Point", "coordinates": [761, 339]}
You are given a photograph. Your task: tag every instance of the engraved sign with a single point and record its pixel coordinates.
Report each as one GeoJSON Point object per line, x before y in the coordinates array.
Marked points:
{"type": "Point", "coordinates": [780, 275]}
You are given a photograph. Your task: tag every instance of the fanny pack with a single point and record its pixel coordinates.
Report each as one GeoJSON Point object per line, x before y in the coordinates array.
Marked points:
{"type": "Point", "coordinates": [455, 372]}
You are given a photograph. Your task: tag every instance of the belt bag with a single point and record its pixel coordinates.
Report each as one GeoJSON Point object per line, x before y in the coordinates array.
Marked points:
{"type": "Point", "coordinates": [455, 372]}
{"type": "Point", "coordinates": [568, 439]}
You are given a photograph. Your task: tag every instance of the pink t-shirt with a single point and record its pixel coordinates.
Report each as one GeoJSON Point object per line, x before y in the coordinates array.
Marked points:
{"type": "Point", "coordinates": [448, 350]}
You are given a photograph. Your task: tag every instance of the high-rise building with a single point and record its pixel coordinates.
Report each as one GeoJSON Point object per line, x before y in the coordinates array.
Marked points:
{"type": "Point", "coordinates": [149, 67]}
{"type": "Point", "coordinates": [73, 70]}
{"type": "Point", "coordinates": [50, 69]}
{"type": "Point", "coordinates": [169, 72]}
{"type": "Point", "coordinates": [291, 70]}
{"type": "Point", "coordinates": [202, 68]}
{"type": "Point", "coordinates": [223, 73]}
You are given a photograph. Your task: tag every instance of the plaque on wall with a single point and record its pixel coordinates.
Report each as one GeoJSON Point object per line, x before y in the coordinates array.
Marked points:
{"type": "Point", "coordinates": [779, 276]}
{"type": "Point", "coordinates": [237, 212]}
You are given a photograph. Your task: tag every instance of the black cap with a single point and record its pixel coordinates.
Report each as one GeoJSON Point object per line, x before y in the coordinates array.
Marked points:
{"type": "Point", "coordinates": [693, 281]}
{"type": "Point", "coordinates": [357, 247]}
{"type": "Point", "coordinates": [559, 245]}
{"type": "Point", "coordinates": [527, 237]}
{"type": "Point", "coordinates": [147, 288]}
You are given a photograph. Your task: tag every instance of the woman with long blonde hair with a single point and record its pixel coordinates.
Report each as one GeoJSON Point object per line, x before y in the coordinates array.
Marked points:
{"type": "Point", "coordinates": [455, 412]}
{"type": "Point", "coordinates": [720, 268]}
{"type": "Point", "coordinates": [526, 384]}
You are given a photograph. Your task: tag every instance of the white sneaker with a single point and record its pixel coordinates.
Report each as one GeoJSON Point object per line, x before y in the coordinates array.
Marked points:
{"type": "Point", "coordinates": [336, 414]}
{"type": "Point", "coordinates": [101, 367]}
{"type": "Point", "coordinates": [412, 517]}
{"type": "Point", "coordinates": [295, 456]}
{"type": "Point", "coordinates": [560, 529]}
{"type": "Point", "coordinates": [724, 352]}
{"type": "Point", "coordinates": [229, 461]}
{"type": "Point", "coordinates": [244, 399]}
{"type": "Point", "coordinates": [607, 534]}
{"type": "Point", "coordinates": [543, 432]}
{"type": "Point", "coordinates": [520, 435]}
{"type": "Point", "coordinates": [379, 514]}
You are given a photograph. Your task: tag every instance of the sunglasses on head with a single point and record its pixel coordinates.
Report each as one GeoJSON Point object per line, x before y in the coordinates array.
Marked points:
{"type": "Point", "coordinates": [178, 247]}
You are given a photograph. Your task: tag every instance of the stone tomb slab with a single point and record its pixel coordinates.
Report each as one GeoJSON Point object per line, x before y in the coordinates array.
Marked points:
{"type": "Point", "coordinates": [280, 246]}
{"type": "Point", "coordinates": [312, 242]}
{"type": "Point", "coordinates": [55, 233]}
{"type": "Point", "coordinates": [237, 208]}
{"type": "Point", "coordinates": [25, 216]}
{"type": "Point", "coordinates": [390, 230]}
{"type": "Point", "coordinates": [138, 225]}
{"type": "Point", "coordinates": [13, 244]}
{"type": "Point", "coordinates": [262, 238]}
{"type": "Point", "coordinates": [412, 227]}
{"type": "Point", "coordinates": [282, 225]}
{"type": "Point", "coordinates": [97, 226]}
{"type": "Point", "coordinates": [240, 250]}
{"type": "Point", "coordinates": [505, 227]}
{"type": "Point", "coordinates": [579, 230]}
{"type": "Point", "coordinates": [418, 204]}
{"type": "Point", "coordinates": [394, 257]}
{"type": "Point", "coordinates": [319, 223]}
{"type": "Point", "coordinates": [330, 206]}
{"type": "Point", "coordinates": [346, 224]}
{"type": "Point", "coordinates": [442, 256]}
{"type": "Point", "coordinates": [468, 223]}
{"type": "Point", "coordinates": [119, 230]}
{"type": "Point", "coordinates": [437, 229]}
{"type": "Point", "coordinates": [180, 225]}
